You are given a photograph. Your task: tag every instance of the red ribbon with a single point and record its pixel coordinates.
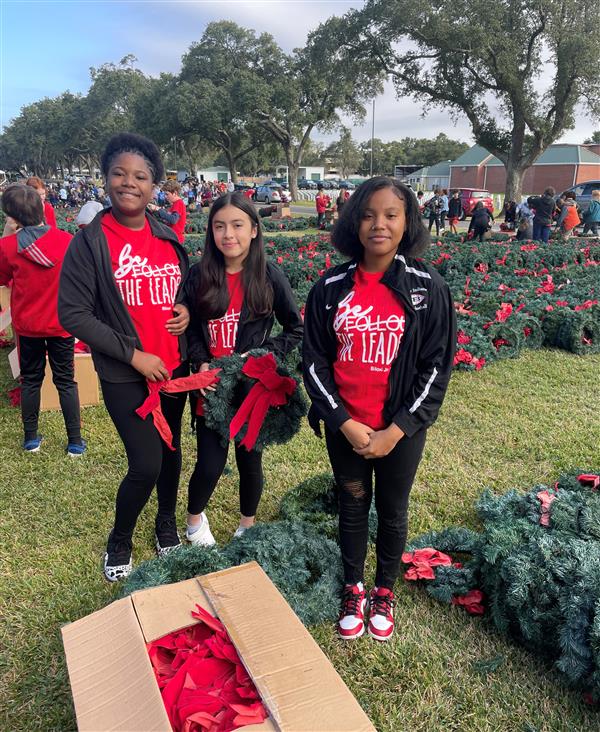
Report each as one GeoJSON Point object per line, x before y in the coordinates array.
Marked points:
{"type": "Point", "coordinates": [151, 404]}
{"type": "Point", "coordinates": [271, 390]}
{"type": "Point", "coordinates": [589, 479]}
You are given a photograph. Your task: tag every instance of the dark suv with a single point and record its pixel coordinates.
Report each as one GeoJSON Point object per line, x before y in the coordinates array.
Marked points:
{"type": "Point", "coordinates": [583, 192]}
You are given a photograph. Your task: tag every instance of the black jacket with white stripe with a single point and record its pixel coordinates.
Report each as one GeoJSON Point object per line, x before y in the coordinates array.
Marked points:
{"type": "Point", "coordinates": [420, 373]}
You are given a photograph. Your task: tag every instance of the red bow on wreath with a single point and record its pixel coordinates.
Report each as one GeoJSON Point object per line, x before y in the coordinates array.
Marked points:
{"type": "Point", "coordinates": [589, 479]}
{"type": "Point", "coordinates": [151, 404]}
{"type": "Point", "coordinates": [271, 390]}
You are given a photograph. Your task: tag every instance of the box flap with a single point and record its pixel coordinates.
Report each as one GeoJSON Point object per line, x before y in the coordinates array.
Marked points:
{"type": "Point", "coordinates": [113, 684]}
{"type": "Point", "coordinates": [167, 608]}
{"type": "Point", "coordinates": [295, 679]}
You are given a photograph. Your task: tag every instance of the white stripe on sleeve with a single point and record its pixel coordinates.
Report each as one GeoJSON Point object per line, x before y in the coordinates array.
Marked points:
{"type": "Point", "coordinates": [321, 388]}
{"type": "Point", "coordinates": [424, 393]}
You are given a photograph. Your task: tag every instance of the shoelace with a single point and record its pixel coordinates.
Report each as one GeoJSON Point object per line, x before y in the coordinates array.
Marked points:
{"type": "Point", "coordinates": [382, 604]}
{"type": "Point", "coordinates": [351, 602]}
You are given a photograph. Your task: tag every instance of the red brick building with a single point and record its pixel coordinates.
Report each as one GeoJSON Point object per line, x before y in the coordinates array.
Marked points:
{"type": "Point", "coordinates": [560, 166]}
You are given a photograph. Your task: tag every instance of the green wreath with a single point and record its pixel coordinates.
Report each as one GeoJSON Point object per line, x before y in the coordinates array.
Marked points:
{"type": "Point", "coordinates": [304, 565]}
{"type": "Point", "coordinates": [221, 405]}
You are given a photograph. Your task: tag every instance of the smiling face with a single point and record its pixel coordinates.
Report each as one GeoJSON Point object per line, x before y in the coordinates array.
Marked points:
{"type": "Point", "coordinates": [233, 231]}
{"type": "Point", "coordinates": [129, 184]}
{"type": "Point", "coordinates": [381, 228]}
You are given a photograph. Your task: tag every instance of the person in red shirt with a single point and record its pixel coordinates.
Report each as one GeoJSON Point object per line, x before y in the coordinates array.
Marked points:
{"type": "Point", "coordinates": [38, 184]}
{"type": "Point", "coordinates": [120, 293]}
{"type": "Point", "coordinates": [322, 202]}
{"type": "Point", "coordinates": [176, 216]}
{"type": "Point", "coordinates": [379, 339]}
{"type": "Point", "coordinates": [30, 262]}
{"type": "Point", "coordinates": [236, 296]}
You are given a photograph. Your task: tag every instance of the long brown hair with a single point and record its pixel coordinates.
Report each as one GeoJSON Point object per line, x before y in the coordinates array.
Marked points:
{"type": "Point", "coordinates": [213, 296]}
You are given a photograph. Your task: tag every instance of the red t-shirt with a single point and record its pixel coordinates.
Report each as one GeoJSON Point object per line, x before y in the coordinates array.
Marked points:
{"type": "Point", "coordinates": [147, 273]}
{"type": "Point", "coordinates": [223, 331]}
{"type": "Point", "coordinates": [179, 228]}
{"type": "Point", "coordinates": [369, 324]}
{"type": "Point", "coordinates": [49, 215]}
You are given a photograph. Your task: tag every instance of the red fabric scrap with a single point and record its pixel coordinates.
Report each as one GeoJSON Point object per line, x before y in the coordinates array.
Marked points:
{"type": "Point", "coordinates": [423, 561]}
{"type": "Point", "coordinates": [203, 684]}
{"type": "Point", "coordinates": [589, 479]}
{"type": "Point", "coordinates": [472, 602]}
{"type": "Point", "coordinates": [545, 498]}
{"type": "Point", "coordinates": [151, 404]}
{"type": "Point", "coordinates": [271, 390]}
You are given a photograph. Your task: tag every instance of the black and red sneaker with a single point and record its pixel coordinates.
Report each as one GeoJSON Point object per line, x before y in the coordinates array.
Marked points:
{"type": "Point", "coordinates": [381, 613]}
{"type": "Point", "coordinates": [352, 615]}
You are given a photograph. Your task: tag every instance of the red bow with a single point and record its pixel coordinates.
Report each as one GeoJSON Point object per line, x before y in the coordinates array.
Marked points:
{"type": "Point", "coordinates": [472, 602]}
{"type": "Point", "coordinates": [545, 498]}
{"type": "Point", "coordinates": [185, 383]}
{"type": "Point", "coordinates": [589, 479]}
{"type": "Point", "coordinates": [271, 390]}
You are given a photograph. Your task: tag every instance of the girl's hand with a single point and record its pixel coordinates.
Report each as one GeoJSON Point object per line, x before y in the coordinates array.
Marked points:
{"type": "Point", "coordinates": [382, 442]}
{"type": "Point", "coordinates": [357, 434]}
{"type": "Point", "coordinates": [177, 325]}
{"type": "Point", "coordinates": [150, 366]}
{"type": "Point", "coordinates": [212, 387]}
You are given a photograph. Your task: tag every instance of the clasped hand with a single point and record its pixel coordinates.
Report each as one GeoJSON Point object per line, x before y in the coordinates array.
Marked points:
{"type": "Point", "coordinates": [371, 443]}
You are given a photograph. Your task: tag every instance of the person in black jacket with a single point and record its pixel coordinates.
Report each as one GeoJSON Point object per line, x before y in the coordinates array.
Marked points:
{"type": "Point", "coordinates": [455, 211]}
{"type": "Point", "coordinates": [120, 293]}
{"type": "Point", "coordinates": [379, 340]}
{"type": "Point", "coordinates": [235, 295]}
{"type": "Point", "coordinates": [544, 207]}
{"type": "Point", "coordinates": [481, 221]}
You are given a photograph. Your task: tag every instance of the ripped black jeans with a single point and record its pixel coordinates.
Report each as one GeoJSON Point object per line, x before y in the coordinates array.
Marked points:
{"type": "Point", "coordinates": [394, 476]}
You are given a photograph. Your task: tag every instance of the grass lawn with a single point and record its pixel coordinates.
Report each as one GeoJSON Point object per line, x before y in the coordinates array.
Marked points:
{"type": "Point", "coordinates": [515, 423]}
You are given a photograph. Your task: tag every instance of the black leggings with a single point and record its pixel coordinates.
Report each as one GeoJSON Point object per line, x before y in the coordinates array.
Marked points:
{"type": "Point", "coordinates": [150, 462]}
{"type": "Point", "coordinates": [210, 464]}
{"type": "Point", "coordinates": [394, 475]}
{"type": "Point", "coordinates": [32, 358]}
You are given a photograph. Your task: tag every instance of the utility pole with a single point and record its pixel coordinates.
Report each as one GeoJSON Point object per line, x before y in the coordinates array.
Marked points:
{"type": "Point", "coordinates": [372, 138]}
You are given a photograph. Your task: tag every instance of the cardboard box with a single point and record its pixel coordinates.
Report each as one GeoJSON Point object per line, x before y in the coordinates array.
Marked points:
{"type": "Point", "coordinates": [283, 211]}
{"type": "Point", "coordinates": [113, 683]}
{"type": "Point", "coordinates": [87, 383]}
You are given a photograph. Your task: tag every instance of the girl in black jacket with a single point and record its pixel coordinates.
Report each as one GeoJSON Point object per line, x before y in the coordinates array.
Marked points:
{"type": "Point", "coordinates": [378, 351]}
{"type": "Point", "coordinates": [481, 221]}
{"type": "Point", "coordinates": [235, 296]}
{"type": "Point", "coordinates": [120, 294]}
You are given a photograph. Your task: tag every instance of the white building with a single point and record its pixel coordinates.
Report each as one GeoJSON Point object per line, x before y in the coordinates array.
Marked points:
{"type": "Point", "coordinates": [217, 172]}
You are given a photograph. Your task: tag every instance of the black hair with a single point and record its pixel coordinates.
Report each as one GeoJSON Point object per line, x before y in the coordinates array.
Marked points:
{"type": "Point", "coordinates": [23, 204]}
{"type": "Point", "coordinates": [128, 142]}
{"type": "Point", "coordinates": [213, 296]}
{"type": "Point", "coordinates": [344, 236]}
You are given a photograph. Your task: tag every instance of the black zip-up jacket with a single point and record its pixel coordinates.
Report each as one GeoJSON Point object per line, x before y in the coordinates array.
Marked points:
{"type": "Point", "coordinates": [250, 333]}
{"type": "Point", "coordinates": [544, 208]}
{"type": "Point", "coordinates": [455, 208]}
{"type": "Point", "coordinates": [90, 305]}
{"type": "Point", "coordinates": [418, 377]}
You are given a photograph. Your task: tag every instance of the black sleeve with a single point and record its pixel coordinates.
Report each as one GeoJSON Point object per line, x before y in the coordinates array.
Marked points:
{"type": "Point", "coordinates": [197, 348]}
{"type": "Point", "coordinates": [434, 365]}
{"type": "Point", "coordinates": [287, 314]}
{"type": "Point", "coordinates": [166, 217]}
{"type": "Point", "coordinates": [77, 297]}
{"type": "Point", "coordinates": [317, 365]}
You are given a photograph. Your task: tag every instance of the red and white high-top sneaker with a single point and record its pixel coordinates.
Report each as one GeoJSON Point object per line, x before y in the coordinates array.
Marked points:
{"type": "Point", "coordinates": [352, 615]}
{"type": "Point", "coordinates": [381, 613]}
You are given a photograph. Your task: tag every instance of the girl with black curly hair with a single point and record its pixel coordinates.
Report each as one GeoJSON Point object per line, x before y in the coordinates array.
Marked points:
{"type": "Point", "coordinates": [120, 293]}
{"type": "Point", "coordinates": [378, 351]}
{"type": "Point", "coordinates": [235, 295]}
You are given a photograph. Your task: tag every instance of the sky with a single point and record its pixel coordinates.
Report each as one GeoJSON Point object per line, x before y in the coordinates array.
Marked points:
{"type": "Point", "coordinates": [48, 46]}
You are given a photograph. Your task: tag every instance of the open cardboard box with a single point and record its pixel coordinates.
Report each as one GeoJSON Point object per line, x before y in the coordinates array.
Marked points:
{"type": "Point", "coordinates": [113, 683]}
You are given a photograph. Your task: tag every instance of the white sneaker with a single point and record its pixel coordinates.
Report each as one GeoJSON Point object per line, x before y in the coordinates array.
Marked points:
{"type": "Point", "coordinates": [240, 531]}
{"type": "Point", "coordinates": [201, 535]}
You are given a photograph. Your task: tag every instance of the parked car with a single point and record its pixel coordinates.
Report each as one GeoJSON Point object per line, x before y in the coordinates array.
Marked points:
{"type": "Point", "coordinates": [470, 197]}
{"type": "Point", "coordinates": [272, 193]}
{"type": "Point", "coordinates": [583, 192]}
{"type": "Point", "coordinates": [304, 184]}
{"type": "Point", "coordinates": [347, 185]}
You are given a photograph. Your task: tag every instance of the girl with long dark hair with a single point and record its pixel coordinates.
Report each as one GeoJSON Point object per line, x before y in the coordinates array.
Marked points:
{"type": "Point", "coordinates": [235, 295]}
{"type": "Point", "coordinates": [378, 352]}
{"type": "Point", "coordinates": [120, 293]}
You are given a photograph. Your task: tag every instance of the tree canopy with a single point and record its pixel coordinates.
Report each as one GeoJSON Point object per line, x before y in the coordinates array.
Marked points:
{"type": "Point", "coordinates": [517, 69]}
